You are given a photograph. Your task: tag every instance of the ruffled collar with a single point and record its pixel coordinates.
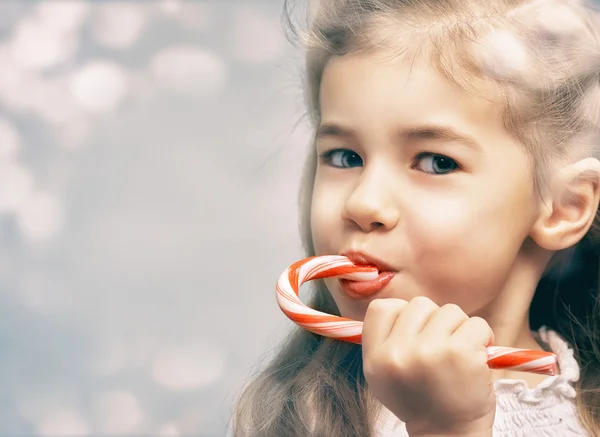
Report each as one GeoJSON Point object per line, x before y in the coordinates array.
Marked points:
{"type": "Point", "coordinates": [561, 385]}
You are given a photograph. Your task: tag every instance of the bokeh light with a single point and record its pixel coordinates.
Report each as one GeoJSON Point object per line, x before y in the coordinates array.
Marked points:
{"type": "Point", "coordinates": [118, 412]}
{"type": "Point", "coordinates": [257, 37]}
{"type": "Point", "coordinates": [16, 185]}
{"type": "Point", "coordinates": [63, 423]}
{"type": "Point", "coordinates": [10, 140]}
{"type": "Point", "coordinates": [189, 70]}
{"type": "Point", "coordinates": [99, 86]}
{"type": "Point", "coordinates": [40, 216]}
{"type": "Point", "coordinates": [118, 25]}
{"type": "Point", "coordinates": [189, 367]}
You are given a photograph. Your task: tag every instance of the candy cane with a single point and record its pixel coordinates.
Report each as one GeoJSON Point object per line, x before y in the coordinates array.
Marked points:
{"type": "Point", "coordinates": [344, 329]}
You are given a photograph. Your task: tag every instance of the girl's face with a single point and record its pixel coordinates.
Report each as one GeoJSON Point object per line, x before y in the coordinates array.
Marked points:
{"type": "Point", "coordinates": [416, 174]}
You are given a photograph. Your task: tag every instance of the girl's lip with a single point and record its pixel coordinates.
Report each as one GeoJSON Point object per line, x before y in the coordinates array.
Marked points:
{"type": "Point", "coordinates": [362, 289]}
{"type": "Point", "coordinates": [363, 259]}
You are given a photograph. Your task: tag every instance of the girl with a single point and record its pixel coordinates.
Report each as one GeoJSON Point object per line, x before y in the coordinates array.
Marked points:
{"type": "Point", "coordinates": [456, 146]}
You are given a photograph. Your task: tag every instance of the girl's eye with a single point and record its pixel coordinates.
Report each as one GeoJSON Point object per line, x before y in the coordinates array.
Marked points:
{"type": "Point", "coordinates": [342, 158]}
{"type": "Point", "coordinates": [435, 164]}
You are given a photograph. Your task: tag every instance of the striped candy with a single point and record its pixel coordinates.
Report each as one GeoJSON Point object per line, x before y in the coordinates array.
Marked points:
{"type": "Point", "coordinates": [344, 329]}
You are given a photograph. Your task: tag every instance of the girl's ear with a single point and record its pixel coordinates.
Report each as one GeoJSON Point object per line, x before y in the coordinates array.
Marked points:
{"type": "Point", "coordinates": [567, 213]}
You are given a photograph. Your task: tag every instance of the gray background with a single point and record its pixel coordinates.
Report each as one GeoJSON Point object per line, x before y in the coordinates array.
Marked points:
{"type": "Point", "coordinates": [149, 165]}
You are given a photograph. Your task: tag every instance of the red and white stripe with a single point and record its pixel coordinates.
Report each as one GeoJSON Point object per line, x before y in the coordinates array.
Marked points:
{"type": "Point", "coordinates": [344, 329]}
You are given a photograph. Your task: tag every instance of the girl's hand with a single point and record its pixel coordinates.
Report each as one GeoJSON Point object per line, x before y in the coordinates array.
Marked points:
{"type": "Point", "coordinates": [428, 366]}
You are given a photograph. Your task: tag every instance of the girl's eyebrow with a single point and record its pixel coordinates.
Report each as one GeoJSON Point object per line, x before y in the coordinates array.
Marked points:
{"type": "Point", "coordinates": [333, 130]}
{"type": "Point", "coordinates": [444, 134]}
{"type": "Point", "coordinates": [429, 132]}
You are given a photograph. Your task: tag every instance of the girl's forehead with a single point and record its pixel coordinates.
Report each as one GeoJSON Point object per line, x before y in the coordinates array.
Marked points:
{"type": "Point", "coordinates": [376, 86]}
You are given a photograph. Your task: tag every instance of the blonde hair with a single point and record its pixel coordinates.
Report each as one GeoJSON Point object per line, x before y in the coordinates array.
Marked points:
{"type": "Point", "coordinates": [544, 56]}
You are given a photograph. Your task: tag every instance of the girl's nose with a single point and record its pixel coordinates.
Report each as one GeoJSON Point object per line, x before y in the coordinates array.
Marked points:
{"type": "Point", "coordinates": [370, 207]}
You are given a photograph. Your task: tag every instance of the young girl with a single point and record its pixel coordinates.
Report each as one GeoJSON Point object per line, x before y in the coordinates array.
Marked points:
{"type": "Point", "coordinates": [456, 146]}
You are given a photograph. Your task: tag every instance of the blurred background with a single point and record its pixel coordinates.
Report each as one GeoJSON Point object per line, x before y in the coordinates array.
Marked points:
{"type": "Point", "coordinates": [149, 162]}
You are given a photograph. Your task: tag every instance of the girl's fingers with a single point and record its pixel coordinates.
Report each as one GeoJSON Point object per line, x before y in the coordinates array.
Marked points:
{"type": "Point", "coordinates": [474, 331]}
{"type": "Point", "coordinates": [412, 319]}
{"type": "Point", "coordinates": [444, 322]}
{"type": "Point", "coordinates": [379, 320]}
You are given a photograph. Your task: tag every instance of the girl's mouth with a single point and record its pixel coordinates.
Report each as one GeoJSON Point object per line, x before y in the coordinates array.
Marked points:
{"type": "Point", "coordinates": [362, 289]}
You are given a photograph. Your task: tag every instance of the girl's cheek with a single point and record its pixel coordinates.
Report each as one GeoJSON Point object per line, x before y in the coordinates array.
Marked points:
{"type": "Point", "coordinates": [438, 223]}
{"type": "Point", "coordinates": [326, 220]}
{"type": "Point", "coordinates": [322, 232]}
